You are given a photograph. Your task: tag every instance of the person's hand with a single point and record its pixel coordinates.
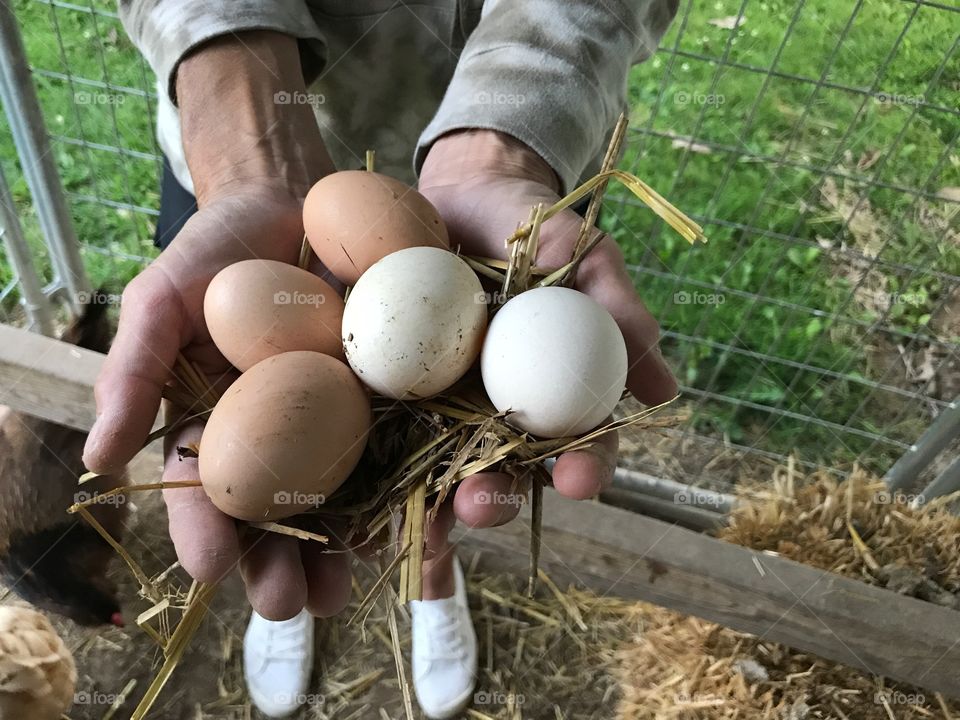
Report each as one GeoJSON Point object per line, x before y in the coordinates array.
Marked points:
{"type": "Point", "coordinates": [252, 161]}
{"type": "Point", "coordinates": [484, 184]}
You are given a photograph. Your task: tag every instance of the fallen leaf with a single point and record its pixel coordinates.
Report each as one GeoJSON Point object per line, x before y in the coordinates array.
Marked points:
{"type": "Point", "coordinates": [949, 193]}
{"type": "Point", "coordinates": [690, 145]}
{"type": "Point", "coordinates": [868, 159]}
{"type": "Point", "coordinates": [730, 22]}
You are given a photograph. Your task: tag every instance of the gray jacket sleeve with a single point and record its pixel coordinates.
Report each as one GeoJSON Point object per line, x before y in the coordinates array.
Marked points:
{"type": "Point", "coordinates": [551, 73]}
{"type": "Point", "coordinates": [166, 30]}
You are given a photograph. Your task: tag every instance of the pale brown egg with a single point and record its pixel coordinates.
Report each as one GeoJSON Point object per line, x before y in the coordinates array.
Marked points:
{"type": "Point", "coordinates": [353, 218]}
{"type": "Point", "coordinates": [284, 436]}
{"type": "Point", "coordinates": [258, 308]}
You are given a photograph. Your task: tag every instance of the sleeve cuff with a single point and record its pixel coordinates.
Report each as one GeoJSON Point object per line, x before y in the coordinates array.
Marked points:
{"type": "Point", "coordinates": [166, 31]}
{"type": "Point", "coordinates": [556, 112]}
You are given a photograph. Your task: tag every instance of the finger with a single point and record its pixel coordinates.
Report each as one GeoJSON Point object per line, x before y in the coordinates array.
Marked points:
{"type": "Point", "coordinates": [205, 539]}
{"type": "Point", "coordinates": [328, 579]}
{"type": "Point", "coordinates": [486, 500]}
{"type": "Point", "coordinates": [438, 531]}
{"type": "Point", "coordinates": [274, 574]}
{"type": "Point", "coordinates": [438, 554]}
{"type": "Point", "coordinates": [139, 363]}
{"type": "Point", "coordinates": [585, 473]}
{"type": "Point", "coordinates": [604, 277]}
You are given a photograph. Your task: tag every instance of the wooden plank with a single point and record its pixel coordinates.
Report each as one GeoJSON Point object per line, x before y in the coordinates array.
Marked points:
{"type": "Point", "coordinates": [48, 378]}
{"type": "Point", "coordinates": [616, 552]}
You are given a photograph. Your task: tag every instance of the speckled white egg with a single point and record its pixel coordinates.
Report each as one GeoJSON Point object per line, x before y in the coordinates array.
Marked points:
{"type": "Point", "coordinates": [414, 323]}
{"type": "Point", "coordinates": [556, 359]}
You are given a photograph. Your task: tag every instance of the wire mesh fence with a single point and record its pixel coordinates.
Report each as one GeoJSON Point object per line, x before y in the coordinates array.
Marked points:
{"type": "Point", "coordinates": [816, 142]}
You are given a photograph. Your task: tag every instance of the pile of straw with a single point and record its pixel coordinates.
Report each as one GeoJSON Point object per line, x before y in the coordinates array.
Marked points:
{"type": "Point", "coordinates": [685, 668]}
{"type": "Point", "coordinates": [855, 528]}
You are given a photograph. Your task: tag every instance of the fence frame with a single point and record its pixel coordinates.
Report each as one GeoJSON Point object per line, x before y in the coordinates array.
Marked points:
{"type": "Point", "coordinates": [19, 97]}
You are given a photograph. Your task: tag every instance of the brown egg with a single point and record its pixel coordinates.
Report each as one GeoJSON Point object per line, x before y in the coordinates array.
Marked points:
{"type": "Point", "coordinates": [353, 218]}
{"type": "Point", "coordinates": [258, 308]}
{"type": "Point", "coordinates": [284, 436]}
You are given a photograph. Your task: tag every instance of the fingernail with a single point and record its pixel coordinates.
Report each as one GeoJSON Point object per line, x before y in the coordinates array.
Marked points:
{"type": "Point", "coordinates": [90, 446]}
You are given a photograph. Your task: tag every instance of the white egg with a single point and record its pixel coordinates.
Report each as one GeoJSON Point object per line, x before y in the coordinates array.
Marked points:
{"type": "Point", "coordinates": [556, 359]}
{"type": "Point", "coordinates": [414, 323]}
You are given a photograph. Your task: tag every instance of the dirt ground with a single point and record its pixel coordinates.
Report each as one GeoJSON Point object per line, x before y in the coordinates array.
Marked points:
{"type": "Point", "coordinates": [525, 660]}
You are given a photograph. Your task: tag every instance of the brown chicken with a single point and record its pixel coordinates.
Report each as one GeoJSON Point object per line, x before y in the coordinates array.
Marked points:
{"type": "Point", "coordinates": [54, 560]}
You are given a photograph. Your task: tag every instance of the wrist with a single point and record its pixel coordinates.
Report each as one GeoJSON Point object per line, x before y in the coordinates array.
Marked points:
{"type": "Point", "coordinates": [464, 155]}
{"type": "Point", "coordinates": [239, 128]}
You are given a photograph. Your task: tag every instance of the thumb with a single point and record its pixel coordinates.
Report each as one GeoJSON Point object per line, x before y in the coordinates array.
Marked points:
{"type": "Point", "coordinates": [138, 366]}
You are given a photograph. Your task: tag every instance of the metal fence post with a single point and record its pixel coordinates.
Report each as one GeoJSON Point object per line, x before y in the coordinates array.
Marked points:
{"type": "Point", "coordinates": [936, 438]}
{"type": "Point", "coordinates": [33, 146]}
{"type": "Point", "coordinates": [35, 303]}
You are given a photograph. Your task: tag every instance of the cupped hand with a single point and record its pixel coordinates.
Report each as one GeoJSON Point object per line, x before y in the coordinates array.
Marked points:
{"type": "Point", "coordinates": [161, 315]}
{"type": "Point", "coordinates": [484, 184]}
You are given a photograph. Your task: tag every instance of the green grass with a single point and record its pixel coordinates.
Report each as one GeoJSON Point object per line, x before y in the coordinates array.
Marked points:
{"type": "Point", "coordinates": [789, 119]}
{"type": "Point", "coordinates": [771, 197]}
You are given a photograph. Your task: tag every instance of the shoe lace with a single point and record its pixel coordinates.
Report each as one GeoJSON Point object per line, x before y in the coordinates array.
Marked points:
{"type": "Point", "coordinates": [286, 644]}
{"type": "Point", "coordinates": [445, 642]}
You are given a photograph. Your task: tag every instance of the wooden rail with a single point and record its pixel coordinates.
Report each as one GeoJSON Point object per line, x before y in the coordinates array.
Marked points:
{"type": "Point", "coordinates": [617, 552]}
{"type": "Point", "coordinates": [47, 378]}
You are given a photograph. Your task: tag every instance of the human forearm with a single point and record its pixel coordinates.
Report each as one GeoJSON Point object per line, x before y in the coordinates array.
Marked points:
{"type": "Point", "coordinates": [239, 128]}
{"type": "Point", "coordinates": [551, 73]}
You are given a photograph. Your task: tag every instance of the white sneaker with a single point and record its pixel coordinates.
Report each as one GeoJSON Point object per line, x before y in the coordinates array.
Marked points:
{"type": "Point", "coordinates": [444, 652]}
{"type": "Point", "coordinates": [277, 662]}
